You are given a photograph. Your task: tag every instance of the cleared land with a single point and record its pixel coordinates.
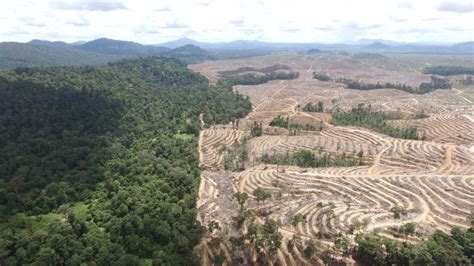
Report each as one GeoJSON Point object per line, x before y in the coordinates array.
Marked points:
{"type": "Point", "coordinates": [432, 179]}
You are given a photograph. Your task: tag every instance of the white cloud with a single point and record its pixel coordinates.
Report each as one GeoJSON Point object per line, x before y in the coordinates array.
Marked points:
{"type": "Point", "coordinates": [88, 5]}
{"type": "Point", "coordinates": [455, 7]}
{"type": "Point", "coordinates": [225, 20]}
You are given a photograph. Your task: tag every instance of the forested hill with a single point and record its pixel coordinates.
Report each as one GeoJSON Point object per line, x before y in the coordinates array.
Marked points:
{"type": "Point", "coordinates": [98, 52]}
{"type": "Point", "coordinates": [13, 54]}
{"type": "Point", "coordinates": [99, 165]}
{"type": "Point", "coordinates": [117, 47]}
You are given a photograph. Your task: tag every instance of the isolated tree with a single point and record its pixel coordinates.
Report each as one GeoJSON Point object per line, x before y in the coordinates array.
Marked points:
{"type": "Point", "coordinates": [241, 217]}
{"type": "Point", "coordinates": [398, 212]}
{"type": "Point", "coordinates": [261, 195]}
{"type": "Point", "coordinates": [241, 198]}
{"type": "Point", "coordinates": [320, 106]}
{"type": "Point", "coordinates": [309, 250]}
{"type": "Point", "coordinates": [408, 229]}
{"type": "Point", "coordinates": [291, 244]}
{"type": "Point", "coordinates": [297, 219]}
{"type": "Point", "coordinates": [256, 129]}
{"type": "Point", "coordinates": [213, 225]}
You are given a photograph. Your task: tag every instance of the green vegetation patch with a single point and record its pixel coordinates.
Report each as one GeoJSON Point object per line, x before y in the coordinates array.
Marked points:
{"type": "Point", "coordinates": [375, 120]}
{"type": "Point", "coordinates": [99, 165]}
{"type": "Point", "coordinates": [255, 79]}
{"type": "Point", "coordinates": [279, 121]}
{"type": "Point", "coordinates": [443, 70]}
{"type": "Point", "coordinates": [425, 87]}
{"type": "Point", "coordinates": [305, 158]}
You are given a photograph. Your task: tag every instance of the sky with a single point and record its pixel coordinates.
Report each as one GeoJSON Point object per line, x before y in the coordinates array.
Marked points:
{"type": "Point", "coordinates": [153, 22]}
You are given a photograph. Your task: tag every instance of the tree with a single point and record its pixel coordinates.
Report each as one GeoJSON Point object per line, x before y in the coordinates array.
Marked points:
{"type": "Point", "coordinates": [297, 218]}
{"type": "Point", "coordinates": [213, 225]}
{"type": "Point", "coordinates": [266, 236]}
{"type": "Point", "coordinates": [356, 227]}
{"type": "Point", "coordinates": [252, 232]}
{"type": "Point", "coordinates": [320, 106]}
{"type": "Point", "coordinates": [241, 198]}
{"type": "Point", "coordinates": [219, 259]}
{"type": "Point", "coordinates": [261, 195]}
{"type": "Point", "coordinates": [309, 250]}
{"type": "Point", "coordinates": [291, 244]}
{"type": "Point", "coordinates": [215, 242]}
{"type": "Point", "coordinates": [118, 142]}
{"type": "Point", "coordinates": [398, 212]}
{"type": "Point", "coordinates": [256, 129]}
{"type": "Point", "coordinates": [370, 250]}
{"type": "Point", "coordinates": [408, 229]}
{"type": "Point", "coordinates": [342, 244]}
{"type": "Point", "coordinates": [326, 256]}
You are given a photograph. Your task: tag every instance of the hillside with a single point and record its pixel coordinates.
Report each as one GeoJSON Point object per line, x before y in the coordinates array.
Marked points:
{"type": "Point", "coordinates": [189, 54]}
{"type": "Point", "coordinates": [14, 54]}
{"type": "Point", "coordinates": [49, 43]}
{"type": "Point", "coordinates": [117, 47]}
{"type": "Point", "coordinates": [180, 42]}
{"type": "Point", "coordinates": [321, 172]}
{"type": "Point", "coordinates": [99, 165]}
{"type": "Point", "coordinates": [378, 45]}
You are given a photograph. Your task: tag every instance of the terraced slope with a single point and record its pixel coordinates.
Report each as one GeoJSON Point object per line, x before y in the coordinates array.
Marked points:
{"type": "Point", "coordinates": [432, 179]}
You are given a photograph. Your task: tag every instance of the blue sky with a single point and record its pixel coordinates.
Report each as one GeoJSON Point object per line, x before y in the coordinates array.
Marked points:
{"type": "Point", "coordinates": [154, 22]}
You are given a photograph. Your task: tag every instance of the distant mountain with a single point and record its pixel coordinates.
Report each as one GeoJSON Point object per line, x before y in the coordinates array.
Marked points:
{"type": "Point", "coordinates": [313, 51]}
{"type": "Point", "coordinates": [240, 45]}
{"type": "Point", "coordinates": [371, 41]}
{"type": "Point", "coordinates": [464, 45]}
{"type": "Point", "coordinates": [180, 42]}
{"type": "Point", "coordinates": [378, 45]}
{"type": "Point", "coordinates": [78, 43]}
{"type": "Point", "coordinates": [14, 54]}
{"type": "Point", "coordinates": [189, 54]}
{"type": "Point", "coordinates": [48, 43]}
{"type": "Point", "coordinates": [124, 48]}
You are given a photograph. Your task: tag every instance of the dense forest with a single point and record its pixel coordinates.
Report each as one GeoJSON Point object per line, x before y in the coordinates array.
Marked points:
{"type": "Point", "coordinates": [251, 79]}
{"type": "Point", "coordinates": [362, 116]}
{"type": "Point", "coordinates": [425, 87]}
{"type": "Point", "coordinates": [190, 54]}
{"type": "Point", "coordinates": [124, 48]}
{"type": "Point", "coordinates": [449, 70]}
{"type": "Point", "coordinates": [99, 165]}
{"type": "Point", "coordinates": [14, 54]}
{"type": "Point", "coordinates": [436, 83]}
{"type": "Point", "coordinates": [225, 105]}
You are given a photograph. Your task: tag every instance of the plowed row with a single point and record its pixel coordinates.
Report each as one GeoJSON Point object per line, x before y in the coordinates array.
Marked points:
{"type": "Point", "coordinates": [432, 179]}
{"type": "Point", "coordinates": [433, 201]}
